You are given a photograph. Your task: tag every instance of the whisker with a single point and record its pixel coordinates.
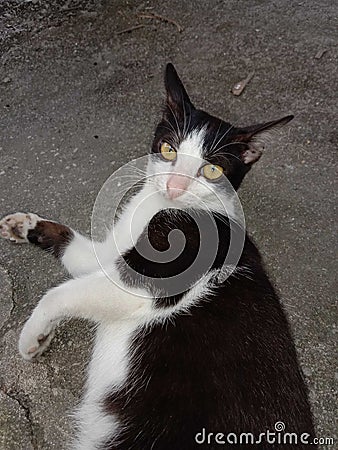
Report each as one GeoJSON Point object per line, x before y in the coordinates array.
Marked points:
{"type": "Point", "coordinates": [224, 134]}
{"type": "Point", "coordinates": [167, 128]}
{"type": "Point", "coordinates": [172, 131]}
{"type": "Point", "coordinates": [213, 142]}
{"type": "Point", "coordinates": [189, 118]}
{"type": "Point", "coordinates": [178, 128]}
{"type": "Point", "coordinates": [134, 171]}
{"type": "Point", "coordinates": [171, 125]}
{"type": "Point", "coordinates": [230, 154]}
{"type": "Point", "coordinates": [133, 175]}
{"type": "Point", "coordinates": [184, 115]}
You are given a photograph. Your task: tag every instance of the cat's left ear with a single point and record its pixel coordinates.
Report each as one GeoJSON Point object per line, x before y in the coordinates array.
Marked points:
{"type": "Point", "coordinates": [257, 136]}
{"type": "Point", "coordinates": [177, 97]}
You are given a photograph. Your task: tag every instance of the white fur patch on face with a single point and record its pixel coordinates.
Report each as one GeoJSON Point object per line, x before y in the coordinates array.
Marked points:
{"type": "Point", "coordinates": [192, 145]}
{"type": "Point", "coordinates": [187, 164]}
{"type": "Point", "coordinates": [195, 190]}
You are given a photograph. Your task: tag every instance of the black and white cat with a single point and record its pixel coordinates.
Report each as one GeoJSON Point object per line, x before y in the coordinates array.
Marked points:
{"type": "Point", "coordinates": [170, 366]}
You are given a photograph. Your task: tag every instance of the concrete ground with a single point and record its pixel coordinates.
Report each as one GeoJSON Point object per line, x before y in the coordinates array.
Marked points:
{"type": "Point", "coordinates": [78, 99]}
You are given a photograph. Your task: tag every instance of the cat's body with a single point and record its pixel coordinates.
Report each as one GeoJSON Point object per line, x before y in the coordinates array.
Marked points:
{"type": "Point", "coordinates": [170, 365]}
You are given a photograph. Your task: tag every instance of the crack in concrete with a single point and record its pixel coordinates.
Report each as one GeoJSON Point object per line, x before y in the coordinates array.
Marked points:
{"type": "Point", "coordinates": [12, 300]}
{"type": "Point", "coordinates": [23, 401]}
{"type": "Point", "coordinates": [3, 328]}
{"type": "Point", "coordinates": [14, 304]}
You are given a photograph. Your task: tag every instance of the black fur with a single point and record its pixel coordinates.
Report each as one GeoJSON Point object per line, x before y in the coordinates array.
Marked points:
{"type": "Point", "coordinates": [51, 236]}
{"type": "Point", "coordinates": [229, 365]}
{"type": "Point", "coordinates": [139, 263]}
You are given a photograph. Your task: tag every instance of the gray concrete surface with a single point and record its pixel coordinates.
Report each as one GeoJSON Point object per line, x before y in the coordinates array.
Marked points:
{"type": "Point", "coordinates": [78, 100]}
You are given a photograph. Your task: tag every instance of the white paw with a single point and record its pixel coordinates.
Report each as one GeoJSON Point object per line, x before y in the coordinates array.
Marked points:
{"type": "Point", "coordinates": [35, 338]}
{"type": "Point", "coordinates": [15, 227]}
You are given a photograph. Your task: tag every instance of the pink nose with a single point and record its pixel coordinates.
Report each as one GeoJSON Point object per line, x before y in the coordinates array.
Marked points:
{"type": "Point", "coordinates": [177, 185]}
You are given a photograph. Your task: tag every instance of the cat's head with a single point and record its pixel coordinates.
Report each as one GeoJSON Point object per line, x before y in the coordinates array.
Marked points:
{"type": "Point", "coordinates": [194, 153]}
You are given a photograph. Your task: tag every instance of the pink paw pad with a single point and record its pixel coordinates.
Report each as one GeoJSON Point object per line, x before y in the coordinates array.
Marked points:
{"type": "Point", "coordinates": [15, 227]}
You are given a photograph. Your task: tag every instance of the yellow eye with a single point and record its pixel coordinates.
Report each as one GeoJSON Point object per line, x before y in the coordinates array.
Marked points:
{"type": "Point", "coordinates": [168, 152]}
{"type": "Point", "coordinates": [212, 172]}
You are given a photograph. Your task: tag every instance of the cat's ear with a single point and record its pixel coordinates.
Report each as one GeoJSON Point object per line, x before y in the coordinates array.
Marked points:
{"type": "Point", "coordinates": [177, 97]}
{"type": "Point", "coordinates": [257, 136]}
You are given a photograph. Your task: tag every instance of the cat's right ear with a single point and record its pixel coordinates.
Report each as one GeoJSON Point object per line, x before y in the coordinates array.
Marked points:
{"type": "Point", "coordinates": [177, 97]}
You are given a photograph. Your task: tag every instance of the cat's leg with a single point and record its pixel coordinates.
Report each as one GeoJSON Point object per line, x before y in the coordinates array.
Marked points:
{"type": "Point", "coordinates": [75, 251]}
{"type": "Point", "coordinates": [94, 297]}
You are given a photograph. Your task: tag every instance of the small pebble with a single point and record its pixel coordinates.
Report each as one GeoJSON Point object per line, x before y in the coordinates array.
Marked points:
{"type": "Point", "coordinates": [307, 372]}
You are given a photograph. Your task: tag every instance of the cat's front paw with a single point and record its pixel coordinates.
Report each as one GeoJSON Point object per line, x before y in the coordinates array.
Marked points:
{"type": "Point", "coordinates": [35, 338]}
{"type": "Point", "coordinates": [15, 227]}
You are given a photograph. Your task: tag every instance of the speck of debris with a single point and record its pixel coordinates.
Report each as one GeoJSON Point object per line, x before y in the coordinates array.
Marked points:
{"type": "Point", "coordinates": [320, 53]}
{"type": "Point", "coordinates": [239, 87]}
{"type": "Point", "coordinates": [307, 372]}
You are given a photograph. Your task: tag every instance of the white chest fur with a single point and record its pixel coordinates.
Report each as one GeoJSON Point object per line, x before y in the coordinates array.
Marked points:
{"type": "Point", "coordinates": [107, 371]}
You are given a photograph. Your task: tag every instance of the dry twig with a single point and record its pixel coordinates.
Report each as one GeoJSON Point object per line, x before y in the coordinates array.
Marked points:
{"type": "Point", "coordinates": [128, 30]}
{"type": "Point", "coordinates": [240, 86]}
{"type": "Point", "coordinates": [162, 18]}
{"type": "Point", "coordinates": [320, 53]}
